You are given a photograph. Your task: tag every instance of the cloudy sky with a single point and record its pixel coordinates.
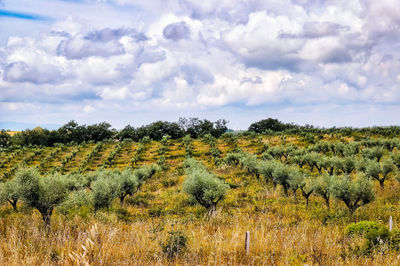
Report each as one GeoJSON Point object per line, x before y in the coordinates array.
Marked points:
{"type": "Point", "coordinates": [321, 62]}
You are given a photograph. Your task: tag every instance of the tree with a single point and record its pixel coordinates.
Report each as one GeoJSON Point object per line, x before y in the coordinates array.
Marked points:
{"type": "Point", "coordinates": [300, 181]}
{"type": "Point", "coordinates": [4, 138]}
{"type": "Point", "coordinates": [105, 189]}
{"type": "Point", "coordinates": [203, 186]}
{"type": "Point", "coordinates": [282, 175]}
{"type": "Point", "coordinates": [144, 173]}
{"type": "Point", "coordinates": [129, 184]}
{"type": "Point", "coordinates": [266, 169]}
{"type": "Point", "coordinates": [9, 193]}
{"type": "Point", "coordinates": [373, 153]}
{"type": "Point", "coordinates": [99, 132]}
{"type": "Point", "coordinates": [269, 124]}
{"type": "Point", "coordinates": [379, 171]}
{"type": "Point", "coordinates": [322, 186]}
{"type": "Point", "coordinates": [41, 193]}
{"type": "Point", "coordinates": [354, 193]}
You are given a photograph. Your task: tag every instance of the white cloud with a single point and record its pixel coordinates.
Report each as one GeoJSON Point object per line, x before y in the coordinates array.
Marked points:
{"type": "Point", "coordinates": [193, 57]}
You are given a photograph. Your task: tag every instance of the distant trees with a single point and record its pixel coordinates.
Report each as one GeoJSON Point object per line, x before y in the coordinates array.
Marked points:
{"type": "Point", "coordinates": [269, 124]}
{"type": "Point", "coordinates": [4, 138]}
{"type": "Point", "coordinates": [73, 132]}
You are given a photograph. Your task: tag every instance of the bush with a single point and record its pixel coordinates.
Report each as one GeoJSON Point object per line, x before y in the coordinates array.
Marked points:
{"type": "Point", "coordinates": [362, 228]}
{"type": "Point", "coordinates": [375, 235]}
{"type": "Point", "coordinates": [175, 244]}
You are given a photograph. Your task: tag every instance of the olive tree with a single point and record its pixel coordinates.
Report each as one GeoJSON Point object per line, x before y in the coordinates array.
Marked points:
{"type": "Point", "coordinates": [282, 175]}
{"type": "Point", "coordinates": [9, 193]}
{"type": "Point", "coordinates": [105, 189]}
{"type": "Point", "coordinates": [203, 186]}
{"type": "Point", "coordinates": [301, 181]}
{"type": "Point", "coordinates": [144, 173]}
{"type": "Point", "coordinates": [354, 193]}
{"type": "Point", "coordinates": [373, 153]}
{"type": "Point", "coordinates": [379, 171]}
{"type": "Point", "coordinates": [322, 187]}
{"type": "Point", "coordinates": [129, 184]}
{"type": "Point", "coordinates": [41, 193]}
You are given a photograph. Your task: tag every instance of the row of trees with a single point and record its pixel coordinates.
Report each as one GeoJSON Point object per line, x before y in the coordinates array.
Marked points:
{"type": "Point", "coordinates": [73, 132]}
{"type": "Point", "coordinates": [195, 127]}
{"type": "Point", "coordinates": [354, 190]}
{"type": "Point", "coordinates": [271, 125]}
{"type": "Point", "coordinates": [98, 188]}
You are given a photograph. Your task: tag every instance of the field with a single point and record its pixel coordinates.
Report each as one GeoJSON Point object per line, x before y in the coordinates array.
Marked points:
{"type": "Point", "coordinates": [283, 229]}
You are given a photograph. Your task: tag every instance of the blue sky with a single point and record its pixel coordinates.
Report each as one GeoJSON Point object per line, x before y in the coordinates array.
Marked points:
{"type": "Point", "coordinates": [320, 62]}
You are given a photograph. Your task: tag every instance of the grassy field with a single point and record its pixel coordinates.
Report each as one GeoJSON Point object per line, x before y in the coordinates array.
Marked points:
{"type": "Point", "coordinates": [283, 231]}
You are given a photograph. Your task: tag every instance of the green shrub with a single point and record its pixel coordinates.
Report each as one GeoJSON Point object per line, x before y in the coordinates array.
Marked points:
{"type": "Point", "coordinates": [361, 228]}
{"type": "Point", "coordinates": [123, 215]}
{"type": "Point", "coordinates": [175, 244]}
{"type": "Point", "coordinates": [376, 236]}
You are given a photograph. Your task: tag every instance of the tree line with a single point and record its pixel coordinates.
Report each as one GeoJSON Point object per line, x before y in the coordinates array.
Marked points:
{"type": "Point", "coordinates": [72, 132]}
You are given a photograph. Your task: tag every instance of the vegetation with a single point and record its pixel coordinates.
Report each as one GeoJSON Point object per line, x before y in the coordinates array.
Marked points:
{"type": "Point", "coordinates": [307, 196]}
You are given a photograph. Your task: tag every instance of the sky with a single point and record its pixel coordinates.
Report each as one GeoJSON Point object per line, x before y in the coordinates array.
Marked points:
{"type": "Point", "coordinates": [319, 62]}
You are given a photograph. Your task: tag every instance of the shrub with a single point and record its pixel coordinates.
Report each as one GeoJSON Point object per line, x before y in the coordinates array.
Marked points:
{"type": "Point", "coordinates": [375, 235]}
{"type": "Point", "coordinates": [175, 244]}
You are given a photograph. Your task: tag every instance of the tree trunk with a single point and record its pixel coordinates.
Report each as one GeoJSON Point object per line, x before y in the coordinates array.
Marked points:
{"type": "Point", "coordinates": [306, 202]}
{"type": "Point", "coordinates": [13, 204]}
{"type": "Point", "coordinates": [211, 210]}
{"type": "Point", "coordinates": [381, 183]}
{"type": "Point", "coordinates": [327, 203]}
{"type": "Point", "coordinates": [121, 199]}
{"type": "Point", "coordinates": [46, 215]}
{"type": "Point", "coordinates": [285, 190]}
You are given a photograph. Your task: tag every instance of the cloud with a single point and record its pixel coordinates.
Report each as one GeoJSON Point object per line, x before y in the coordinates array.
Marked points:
{"type": "Point", "coordinates": [177, 31]}
{"type": "Point", "coordinates": [190, 57]}
{"type": "Point", "coordinates": [80, 47]}
{"type": "Point", "coordinates": [107, 34]}
{"type": "Point", "coordinates": [21, 72]}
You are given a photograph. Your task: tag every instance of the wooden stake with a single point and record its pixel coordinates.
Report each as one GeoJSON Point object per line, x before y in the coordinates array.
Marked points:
{"type": "Point", "coordinates": [247, 242]}
{"type": "Point", "coordinates": [390, 224]}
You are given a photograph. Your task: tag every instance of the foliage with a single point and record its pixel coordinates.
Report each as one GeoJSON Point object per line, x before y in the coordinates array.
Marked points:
{"type": "Point", "coordinates": [44, 193]}
{"type": "Point", "coordinates": [105, 189]}
{"type": "Point", "coordinates": [9, 192]}
{"type": "Point", "coordinates": [354, 193]}
{"type": "Point", "coordinates": [206, 188]}
{"type": "Point", "coordinates": [269, 124]}
{"type": "Point", "coordinates": [175, 244]}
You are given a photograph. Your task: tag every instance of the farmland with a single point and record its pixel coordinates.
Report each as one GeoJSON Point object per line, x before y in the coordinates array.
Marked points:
{"type": "Point", "coordinates": [289, 219]}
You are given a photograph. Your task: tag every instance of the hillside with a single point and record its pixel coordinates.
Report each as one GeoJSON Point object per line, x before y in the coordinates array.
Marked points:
{"type": "Point", "coordinates": [283, 230]}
